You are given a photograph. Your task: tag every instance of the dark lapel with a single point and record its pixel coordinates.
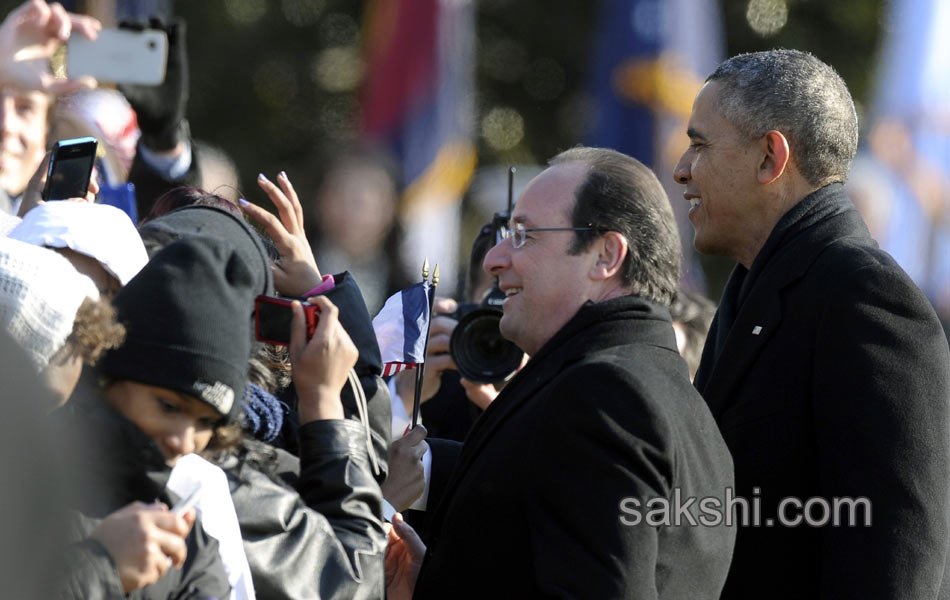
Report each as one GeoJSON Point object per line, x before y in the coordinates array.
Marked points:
{"type": "Point", "coordinates": [761, 311]}
{"type": "Point", "coordinates": [590, 330]}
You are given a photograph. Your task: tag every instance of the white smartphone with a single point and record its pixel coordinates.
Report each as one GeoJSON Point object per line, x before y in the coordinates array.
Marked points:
{"type": "Point", "coordinates": [119, 56]}
{"type": "Point", "coordinates": [186, 503]}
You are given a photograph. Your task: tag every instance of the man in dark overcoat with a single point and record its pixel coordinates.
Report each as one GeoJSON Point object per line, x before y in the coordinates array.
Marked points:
{"type": "Point", "coordinates": [583, 479]}
{"type": "Point", "coordinates": [826, 367]}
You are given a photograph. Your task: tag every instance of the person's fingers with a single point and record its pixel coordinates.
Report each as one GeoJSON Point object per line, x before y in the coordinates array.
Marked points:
{"type": "Point", "coordinates": [444, 305]}
{"type": "Point", "coordinates": [269, 222]}
{"type": "Point", "coordinates": [291, 193]}
{"type": "Point", "coordinates": [416, 435]}
{"type": "Point", "coordinates": [298, 332]}
{"type": "Point", "coordinates": [441, 324]}
{"type": "Point", "coordinates": [55, 85]}
{"type": "Point", "coordinates": [440, 362]}
{"type": "Point", "coordinates": [439, 343]}
{"type": "Point", "coordinates": [419, 450]}
{"type": "Point", "coordinates": [408, 535]}
{"type": "Point", "coordinates": [57, 22]}
{"type": "Point", "coordinates": [94, 181]}
{"type": "Point", "coordinates": [171, 545]}
{"type": "Point", "coordinates": [85, 25]}
{"type": "Point", "coordinates": [288, 218]}
{"type": "Point", "coordinates": [170, 522]}
{"type": "Point", "coordinates": [190, 516]}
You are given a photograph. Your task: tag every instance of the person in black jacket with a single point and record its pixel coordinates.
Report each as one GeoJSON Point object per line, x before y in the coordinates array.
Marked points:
{"type": "Point", "coordinates": [602, 416]}
{"type": "Point", "coordinates": [826, 368]}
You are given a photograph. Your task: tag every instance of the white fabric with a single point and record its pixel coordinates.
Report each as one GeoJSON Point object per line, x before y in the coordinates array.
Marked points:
{"type": "Point", "coordinates": [218, 517]}
{"type": "Point", "coordinates": [7, 223]}
{"type": "Point", "coordinates": [103, 232]}
{"type": "Point", "coordinates": [400, 417]}
{"type": "Point", "coordinates": [40, 292]}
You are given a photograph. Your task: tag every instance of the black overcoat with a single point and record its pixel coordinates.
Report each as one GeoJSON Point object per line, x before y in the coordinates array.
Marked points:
{"type": "Point", "coordinates": [833, 381]}
{"type": "Point", "coordinates": [603, 412]}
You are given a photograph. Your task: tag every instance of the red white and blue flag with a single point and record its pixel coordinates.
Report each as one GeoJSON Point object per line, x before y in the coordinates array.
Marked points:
{"type": "Point", "coordinates": [401, 327]}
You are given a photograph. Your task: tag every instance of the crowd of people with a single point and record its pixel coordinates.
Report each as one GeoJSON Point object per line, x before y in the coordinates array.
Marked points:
{"type": "Point", "coordinates": [174, 455]}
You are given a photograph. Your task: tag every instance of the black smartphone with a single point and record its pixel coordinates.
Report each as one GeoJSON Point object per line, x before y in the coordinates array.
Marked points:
{"type": "Point", "coordinates": [70, 168]}
{"type": "Point", "coordinates": [273, 316]}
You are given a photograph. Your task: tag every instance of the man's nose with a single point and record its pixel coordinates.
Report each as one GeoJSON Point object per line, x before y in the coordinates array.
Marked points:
{"type": "Point", "coordinates": [681, 172]}
{"type": "Point", "coordinates": [497, 259]}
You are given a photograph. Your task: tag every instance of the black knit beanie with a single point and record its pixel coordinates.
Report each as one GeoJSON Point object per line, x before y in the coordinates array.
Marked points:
{"type": "Point", "coordinates": [185, 314]}
{"type": "Point", "coordinates": [213, 222]}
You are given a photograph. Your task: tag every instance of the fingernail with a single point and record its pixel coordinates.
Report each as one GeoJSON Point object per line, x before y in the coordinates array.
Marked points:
{"type": "Point", "coordinates": [243, 202]}
{"type": "Point", "coordinates": [262, 178]}
{"type": "Point", "coordinates": [283, 174]}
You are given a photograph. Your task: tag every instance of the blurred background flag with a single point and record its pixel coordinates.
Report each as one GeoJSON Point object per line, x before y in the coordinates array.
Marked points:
{"type": "Point", "coordinates": [418, 100]}
{"type": "Point", "coordinates": [901, 179]}
{"type": "Point", "coordinates": [650, 61]}
{"type": "Point", "coordinates": [401, 327]}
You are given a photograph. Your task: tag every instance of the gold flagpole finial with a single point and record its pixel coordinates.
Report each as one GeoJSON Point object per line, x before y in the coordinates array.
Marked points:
{"type": "Point", "coordinates": [435, 275]}
{"type": "Point", "coordinates": [425, 269]}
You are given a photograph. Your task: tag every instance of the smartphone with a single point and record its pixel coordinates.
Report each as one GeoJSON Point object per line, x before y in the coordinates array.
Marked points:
{"type": "Point", "coordinates": [186, 503]}
{"type": "Point", "coordinates": [119, 56]}
{"type": "Point", "coordinates": [70, 168]}
{"type": "Point", "coordinates": [273, 316]}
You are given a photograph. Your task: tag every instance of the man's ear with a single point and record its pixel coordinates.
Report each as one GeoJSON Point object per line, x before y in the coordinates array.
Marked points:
{"type": "Point", "coordinates": [611, 251]}
{"type": "Point", "coordinates": [775, 157]}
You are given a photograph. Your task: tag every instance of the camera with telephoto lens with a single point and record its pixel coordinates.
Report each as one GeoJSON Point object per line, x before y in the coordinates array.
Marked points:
{"type": "Point", "coordinates": [480, 352]}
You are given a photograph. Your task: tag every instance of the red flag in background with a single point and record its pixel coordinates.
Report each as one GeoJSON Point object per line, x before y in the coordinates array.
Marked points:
{"type": "Point", "coordinates": [418, 101]}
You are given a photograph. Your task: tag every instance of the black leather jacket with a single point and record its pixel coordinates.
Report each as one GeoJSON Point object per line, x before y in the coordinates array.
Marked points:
{"type": "Point", "coordinates": [325, 539]}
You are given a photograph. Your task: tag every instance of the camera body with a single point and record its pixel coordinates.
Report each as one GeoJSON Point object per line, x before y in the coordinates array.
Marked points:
{"type": "Point", "coordinates": [273, 317]}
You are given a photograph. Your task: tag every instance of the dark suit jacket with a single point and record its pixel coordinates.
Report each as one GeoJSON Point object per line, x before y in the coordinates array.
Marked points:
{"type": "Point", "coordinates": [833, 381]}
{"type": "Point", "coordinates": [604, 411]}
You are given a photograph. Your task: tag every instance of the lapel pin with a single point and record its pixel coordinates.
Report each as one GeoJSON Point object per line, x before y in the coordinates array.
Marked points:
{"type": "Point", "coordinates": [757, 330]}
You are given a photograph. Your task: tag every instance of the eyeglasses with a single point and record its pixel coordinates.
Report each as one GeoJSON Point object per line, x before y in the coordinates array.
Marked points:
{"type": "Point", "coordinates": [518, 233]}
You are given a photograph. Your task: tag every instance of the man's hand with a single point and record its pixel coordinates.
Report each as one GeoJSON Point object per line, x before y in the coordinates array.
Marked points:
{"type": "Point", "coordinates": [320, 366]}
{"type": "Point", "coordinates": [144, 541]}
{"type": "Point", "coordinates": [406, 479]}
{"type": "Point", "coordinates": [480, 394]}
{"type": "Point", "coordinates": [295, 272]}
{"type": "Point", "coordinates": [483, 394]}
{"type": "Point", "coordinates": [28, 38]}
{"type": "Point", "coordinates": [404, 556]}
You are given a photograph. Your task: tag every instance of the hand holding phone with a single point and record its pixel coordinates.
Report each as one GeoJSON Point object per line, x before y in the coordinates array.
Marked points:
{"type": "Point", "coordinates": [70, 168]}
{"type": "Point", "coordinates": [273, 316]}
{"type": "Point", "coordinates": [120, 56]}
{"type": "Point", "coordinates": [185, 504]}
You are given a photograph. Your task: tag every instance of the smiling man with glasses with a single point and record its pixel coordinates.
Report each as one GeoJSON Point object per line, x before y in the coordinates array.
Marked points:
{"type": "Point", "coordinates": [603, 410]}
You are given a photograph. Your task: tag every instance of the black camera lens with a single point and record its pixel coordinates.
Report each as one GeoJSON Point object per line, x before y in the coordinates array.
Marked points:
{"type": "Point", "coordinates": [481, 354]}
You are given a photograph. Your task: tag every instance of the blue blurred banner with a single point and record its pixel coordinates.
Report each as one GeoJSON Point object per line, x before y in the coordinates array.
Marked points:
{"type": "Point", "coordinates": [418, 101]}
{"type": "Point", "coordinates": [651, 59]}
{"type": "Point", "coordinates": [901, 179]}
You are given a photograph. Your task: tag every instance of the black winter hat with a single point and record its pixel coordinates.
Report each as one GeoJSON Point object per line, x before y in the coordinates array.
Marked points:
{"type": "Point", "coordinates": [185, 314]}
{"type": "Point", "coordinates": [213, 222]}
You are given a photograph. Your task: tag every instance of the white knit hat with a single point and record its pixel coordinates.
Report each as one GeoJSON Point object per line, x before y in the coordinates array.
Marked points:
{"type": "Point", "coordinates": [103, 232]}
{"type": "Point", "coordinates": [40, 292]}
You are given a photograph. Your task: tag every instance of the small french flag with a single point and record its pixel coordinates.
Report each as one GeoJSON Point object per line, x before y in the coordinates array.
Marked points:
{"type": "Point", "coordinates": [401, 328]}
